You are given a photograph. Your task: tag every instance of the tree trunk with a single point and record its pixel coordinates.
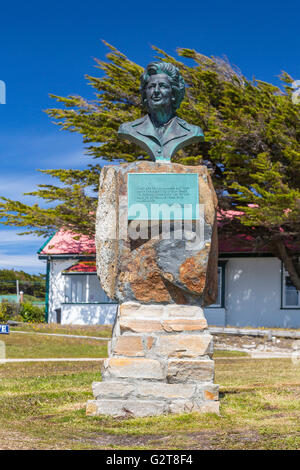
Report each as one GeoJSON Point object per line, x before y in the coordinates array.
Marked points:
{"type": "Point", "coordinates": [282, 253]}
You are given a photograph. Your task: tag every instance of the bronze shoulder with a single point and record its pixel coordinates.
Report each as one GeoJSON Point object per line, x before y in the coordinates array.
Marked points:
{"type": "Point", "coordinates": [196, 131]}
{"type": "Point", "coordinates": [127, 126]}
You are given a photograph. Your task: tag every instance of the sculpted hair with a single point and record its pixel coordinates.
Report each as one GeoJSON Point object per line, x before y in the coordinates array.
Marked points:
{"type": "Point", "coordinates": [177, 81]}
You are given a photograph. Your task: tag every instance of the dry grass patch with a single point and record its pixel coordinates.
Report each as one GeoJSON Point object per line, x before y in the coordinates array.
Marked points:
{"type": "Point", "coordinates": [44, 406]}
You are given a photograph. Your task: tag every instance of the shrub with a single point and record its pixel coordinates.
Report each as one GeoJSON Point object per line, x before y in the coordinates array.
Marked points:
{"type": "Point", "coordinates": [9, 311]}
{"type": "Point", "coordinates": [32, 313]}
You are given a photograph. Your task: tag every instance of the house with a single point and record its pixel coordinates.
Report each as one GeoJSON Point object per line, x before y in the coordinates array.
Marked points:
{"type": "Point", "coordinates": [254, 289]}
{"type": "Point", "coordinates": [73, 291]}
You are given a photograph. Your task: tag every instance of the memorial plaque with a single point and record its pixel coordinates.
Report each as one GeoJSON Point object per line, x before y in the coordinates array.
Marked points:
{"type": "Point", "coordinates": [163, 196]}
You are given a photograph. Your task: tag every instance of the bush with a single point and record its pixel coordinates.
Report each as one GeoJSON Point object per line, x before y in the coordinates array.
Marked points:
{"type": "Point", "coordinates": [9, 311]}
{"type": "Point", "coordinates": [32, 313]}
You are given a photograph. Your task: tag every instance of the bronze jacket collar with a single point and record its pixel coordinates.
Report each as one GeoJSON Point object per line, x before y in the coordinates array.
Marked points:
{"type": "Point", "coordinates": [175, 130]}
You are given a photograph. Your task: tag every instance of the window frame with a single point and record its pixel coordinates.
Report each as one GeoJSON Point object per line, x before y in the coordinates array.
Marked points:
{"type": "Point", "coordinates": [221, 269]}
{"type": "Point", "coordinates": [284, 275]}
{"type": "Point", "coordinates": [87, 290]}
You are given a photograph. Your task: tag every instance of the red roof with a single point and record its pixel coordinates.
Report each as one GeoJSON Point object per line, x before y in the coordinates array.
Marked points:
{"type": "Point", "coordinates": [65, 242]}
{"type": "Point", "coordinates": [240, 243]}
{"type": "Point", "coordinates": [82, 267]}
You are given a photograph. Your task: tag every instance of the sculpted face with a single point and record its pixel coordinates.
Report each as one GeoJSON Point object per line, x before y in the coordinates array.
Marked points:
{"type": "Point", "coordinates": [159, 92]}
{"type": "Point", "coordinates": [161, 133]}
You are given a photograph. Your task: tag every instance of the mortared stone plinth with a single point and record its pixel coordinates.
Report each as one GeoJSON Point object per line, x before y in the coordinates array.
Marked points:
{"type": "Point", "coordinates": [160, 361]}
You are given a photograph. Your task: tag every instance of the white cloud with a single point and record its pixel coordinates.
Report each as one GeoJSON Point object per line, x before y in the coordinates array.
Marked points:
{"type": "Point", "coordinates": [14, 186]}
{"type": "Point", "coordinates": [75, 159]}
{"type": "Point", "coordinates": [14, 183]}
{"type": "Point", "coordinates": [11, 236]}
{"type": "Point", "coordinates": [27, 263]}
{"type": "Point", "coordinates": [20, 252]}
{"type": "Point", "coordinates": [55, 150]}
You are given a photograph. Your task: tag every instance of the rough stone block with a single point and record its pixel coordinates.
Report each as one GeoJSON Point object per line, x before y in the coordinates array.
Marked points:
{"type": "Point", "coordinates": [129, 308]}
{"type": "Point", "coordinates": [139, 326]}
{"type": "Point", "coordinates": [151, 311]}
{"type": "Point", "coordinates": [183, 346]}
{"type": "Point", "coordinates": [183, 406]}
{"type": "Point", "coordinates": [183, 311]}
{"type": "Point", "coordinates": [142, 390]}
{"type": "Point", "coordinates": [112, 389]}
{"type": "Point", "coordinates": [91, 408]}
{"type": "Point", "coordinates": [190, 371]}
{"type": "Point", "coordinates": [128, 346]}
{"type": "Point", "coordinates": [189, 406]}
{"type": "Point", "coordinates": [184, 324]}
{"type": "Point", "coordinates": [164, 391]}
{"type": "Point", "coordinates": [126, 408]}
{"type": "Point", "coordinates": [138, 368]}
{"type": "Point", "coordinates": [210, 407]}
{"type": "Point", "coordinates": [211, 392]}
{"type": "Point", "coordinates": [150, 341]}
{"type": "Point", "coordinates": [132, 271]}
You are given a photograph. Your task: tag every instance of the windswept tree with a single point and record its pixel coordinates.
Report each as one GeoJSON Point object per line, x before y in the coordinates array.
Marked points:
{"type": "Point", "coordinates": [252, 132]}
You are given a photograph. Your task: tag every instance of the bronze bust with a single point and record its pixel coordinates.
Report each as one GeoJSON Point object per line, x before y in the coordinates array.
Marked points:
{"type": "Point", "coordinates": [161, 133]}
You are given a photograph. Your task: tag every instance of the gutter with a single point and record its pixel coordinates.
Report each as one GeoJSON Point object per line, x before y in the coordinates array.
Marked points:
{"type": "Point", "coordinates": [46, 242]}
{"type": "Point", "coordinates": [68, 256]}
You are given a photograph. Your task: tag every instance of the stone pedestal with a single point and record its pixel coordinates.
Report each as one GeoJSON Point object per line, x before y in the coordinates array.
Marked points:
{"type": "Point", "coordinates": [160, 355]}
{"type": "Point", "coordinates": [157, 269]}
{"type": "Point", "coordinates": [159, 362]}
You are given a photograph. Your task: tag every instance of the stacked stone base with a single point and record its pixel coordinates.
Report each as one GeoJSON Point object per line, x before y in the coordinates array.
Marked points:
{"type": "Point", "coordinates": [159, 362]}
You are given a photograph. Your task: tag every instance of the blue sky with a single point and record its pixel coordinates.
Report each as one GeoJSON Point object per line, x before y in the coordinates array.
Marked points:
{"type": "Point", "coordinates": [48, 47]}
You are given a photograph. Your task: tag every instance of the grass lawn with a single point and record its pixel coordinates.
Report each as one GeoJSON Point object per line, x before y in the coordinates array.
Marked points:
{"type": "Point", "coordinates": [43, 407]}
{"type": "Point", "coordinates": [103, 331]}
{"type": "Point", "coordinates": [228, 353]}
{"type": "Point", "coordinates": [24, 346]}
{"type": "Point", "coordinates": [20, 345]}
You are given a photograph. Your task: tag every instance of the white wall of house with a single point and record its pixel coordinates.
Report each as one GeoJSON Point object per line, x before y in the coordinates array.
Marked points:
{"type": "Point", "coordinates": [89, 314]}
{"type": "Point", "coordinates": [77, 314]}
{"type": "Point", "coordinates": [215, 316]}
{"type": "Point", "coordinates": [253, 296]}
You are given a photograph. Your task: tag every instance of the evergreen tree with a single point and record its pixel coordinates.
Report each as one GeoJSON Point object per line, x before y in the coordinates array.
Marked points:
{"type": "Point", "coordinates": [252, 131]}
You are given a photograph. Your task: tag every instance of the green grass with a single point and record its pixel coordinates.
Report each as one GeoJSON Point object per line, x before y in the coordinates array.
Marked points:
{"type": "Point", "coordinates": [85, 330]}
{"type": "Point", "coordinates": [20, 345]}
{"type": "Point", "coordinates": [32, 298]}
{"type": "Point", "coordinates": [43, 407]}
{"type": "Point", "coordinates": [27, 298]}
{"type": "Point", "coordinates": [226, 353]}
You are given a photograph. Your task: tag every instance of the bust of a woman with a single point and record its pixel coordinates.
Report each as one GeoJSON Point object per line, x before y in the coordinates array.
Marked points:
{"type": "Point", "coordinates": [161, 133]}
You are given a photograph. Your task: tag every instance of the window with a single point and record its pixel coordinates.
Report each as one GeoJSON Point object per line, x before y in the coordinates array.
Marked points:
{"type": "Point", "coordinates": [220, 302]}
{"type": "Point", "coordinates": [290, 295]}
{"type": "Point", "coordinates": [84, 289]}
